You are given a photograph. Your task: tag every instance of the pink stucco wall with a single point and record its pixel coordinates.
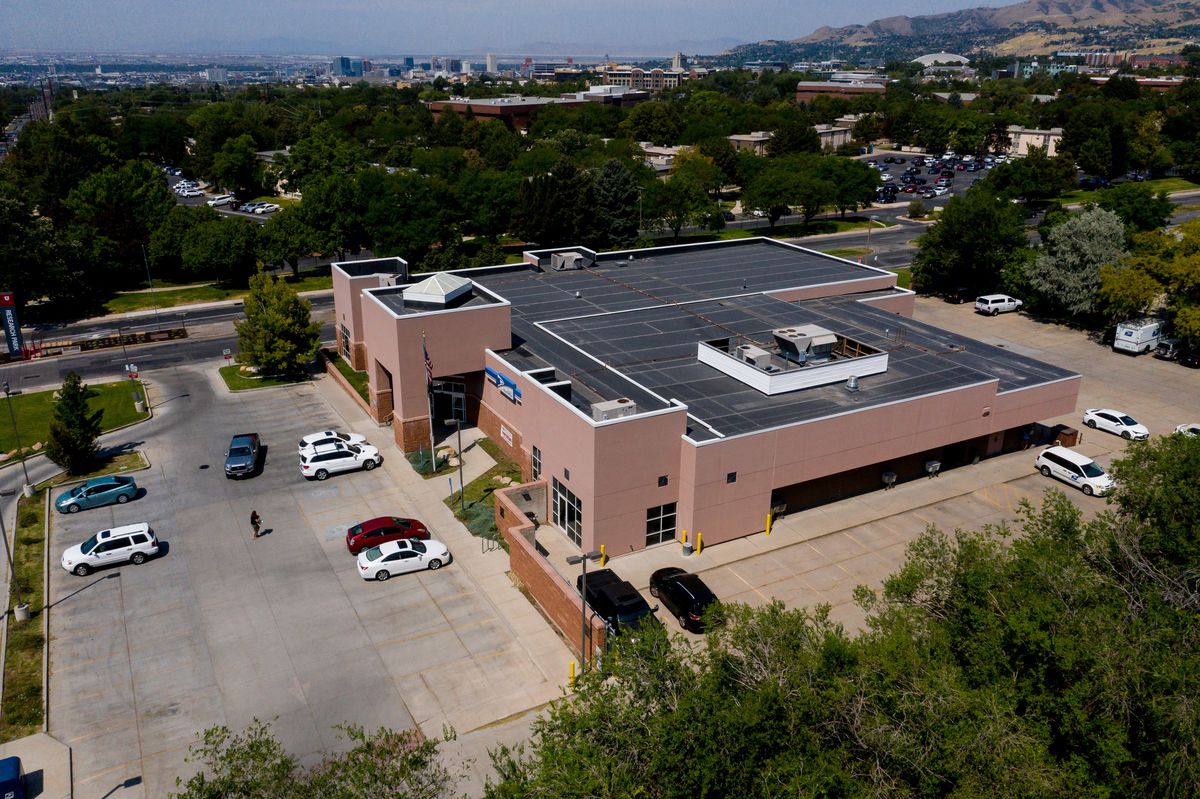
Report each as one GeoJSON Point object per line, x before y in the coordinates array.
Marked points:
{"type": "Point", "coordinates": [614, 467]}
{"type": "Point", "coordinates": [902, 304]}
{"type": "Point", "coordinates": [1019, 408]}
{"type": "Point", "coordinates": [777, 458]}
{"type": "Point", "coordinates": [456, 339]}
{"type": "Point", "coordinates": [347, 300]}
{"type": "Point", "coordinates": [869, 282]}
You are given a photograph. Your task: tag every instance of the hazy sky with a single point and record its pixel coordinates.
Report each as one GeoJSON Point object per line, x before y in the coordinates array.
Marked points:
{"type": "Point", "coordinates": [412, 26]}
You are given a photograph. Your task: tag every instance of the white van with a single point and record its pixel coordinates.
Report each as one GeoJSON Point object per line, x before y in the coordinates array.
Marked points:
{"type": "Point", "coordinates": [992, 304]}
{"type": "Point", "coordinates": [1069, 466]}
{"type": "Point", "coordinates": [1138, 336]}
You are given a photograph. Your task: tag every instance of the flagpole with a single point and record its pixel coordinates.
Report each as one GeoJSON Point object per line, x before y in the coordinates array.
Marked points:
{"type": "Point", "coordinates": [429, 396]}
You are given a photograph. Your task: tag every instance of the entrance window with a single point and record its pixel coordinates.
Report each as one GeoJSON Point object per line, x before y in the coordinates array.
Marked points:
{"type": "Point", "coordinates": [537, 463]}
{"type": "Point", "coordinates": [660, 524]}
{"type": "Point", "coordinates": [346, 343]}
{"type": "Point", "coordinates": [567, 512]}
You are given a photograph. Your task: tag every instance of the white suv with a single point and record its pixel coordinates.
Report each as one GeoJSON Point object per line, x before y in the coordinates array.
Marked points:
{"type": "Point", "coordinates": [133, 543]}
{"type": "Point", "coordinates": [1081, 472]}
{"type": "Point", "coordinates": [993, 304]}
{"type": "Point", "coordinates": [221, 199]}
{"type": "Point", "coordinates": [321, 461]}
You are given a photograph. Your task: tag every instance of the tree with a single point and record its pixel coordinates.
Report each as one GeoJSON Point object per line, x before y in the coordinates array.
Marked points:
{"type": "Point", "coordinates": [1138, 207]}
{"type": "Point", "coordinates": [165, 250]}
{"type": "Point", "coordinates": [676, 202]}
{"type": "Point", "coordinates": [974, 239]}
{"type": "Point", "coordinates": [236, 166]}
{"type": "Point", "coordinates": [616, 198]}
{"type": "Point", "coordinates": [74, 427]}
{"type": "Point", "coordinates": [854, 182]}
{"type": "Point", "coordinates": [1033, 178]}
{"type": "Point", "coordinates": [657, 122]}
{"type": "Point", "coordinates": [225, 250]}
{"type": "Point", "coordinates": [813, 194]}
{"type": "Point", "coordinates": [1125, 292]}
{"type": "Point", "coordinates": [333, 208]}
{"type": "Point", "coordinates": [277, 335]}
{"type": "Point", "coordinates": [793, 137]}
{"type": "Point", "coordinates": [122, 205]}
{"type": "Point", "coordinates": [772, 190]}
{"type": "Point", "coordinates": [286, 238]}
{"type": "Point", "coordinates": [1066, 277]}
{"type": "Point", "coordinates": [253, 764]}
{"type": "Point", "coordinates": [553, 209]}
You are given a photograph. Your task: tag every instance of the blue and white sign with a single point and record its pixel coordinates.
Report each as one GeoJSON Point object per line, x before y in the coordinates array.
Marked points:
{"type": "Point", "coordinates": [12, 328]}
{"type": "Point", "coordinates": [503, 382]}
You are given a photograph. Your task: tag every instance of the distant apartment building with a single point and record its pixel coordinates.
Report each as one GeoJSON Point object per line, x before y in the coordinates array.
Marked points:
{"type": "Point", "coordinates": [809, 90]}
{"type": "Point", "coordinates": [1150, 84]}
{"type": "Point", "coordinates": [517, 112]}
{"type": "Point", "coordinates": [652, 80]}
{"type": "Point", "coordinates": [831, 136]}
{"type": "Point", "coordinates": [492, 64]}
{"type": "Point", "coordinates": [216, 75]}
{"type": "Point", "coordinates": [1021, 140]}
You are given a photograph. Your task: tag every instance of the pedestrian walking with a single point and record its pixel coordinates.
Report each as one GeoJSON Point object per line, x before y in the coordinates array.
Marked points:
{"type": "Point", "coordinates": [255, 522]}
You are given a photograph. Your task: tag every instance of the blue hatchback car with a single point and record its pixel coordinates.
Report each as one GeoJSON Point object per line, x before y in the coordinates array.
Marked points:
{"type": "Point", "coordinates": [96, 492]}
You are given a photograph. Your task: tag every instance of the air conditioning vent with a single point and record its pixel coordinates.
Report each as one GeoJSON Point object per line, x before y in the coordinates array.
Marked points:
{"type": "Point", "coordinates": [613, 409]}
{"type": "Point", "coordinates": [564, 261]}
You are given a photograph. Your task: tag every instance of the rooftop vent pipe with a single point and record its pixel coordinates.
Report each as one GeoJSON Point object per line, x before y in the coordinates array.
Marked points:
{"type": "Point", "coordinates": [852, 383]}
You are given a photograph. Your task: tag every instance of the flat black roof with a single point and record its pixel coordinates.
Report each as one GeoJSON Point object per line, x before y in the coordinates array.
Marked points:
{"type": "Point", "coordinates": [630, 328]}
{"type": "Point", "coordinates": [657, 348]}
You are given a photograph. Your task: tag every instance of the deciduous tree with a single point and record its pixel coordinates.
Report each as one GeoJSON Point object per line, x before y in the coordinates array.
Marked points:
{"type": "Point", "coordinates": [278, 335]}
{"type": "Point", "coordinates": [1066, 277]}
{"type": "Point", "coordinates": [974, 239]}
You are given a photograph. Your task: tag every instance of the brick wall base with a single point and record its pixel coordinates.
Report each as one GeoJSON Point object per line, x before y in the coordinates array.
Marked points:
{"type": "Point", "coordinates": [557, 598]}
{"type": "Point", "coordinates": [381, 404]}
{"type": "Point", "coordinates": [412, 434]}
{"type": "Point", "coordinates": [332, 370]}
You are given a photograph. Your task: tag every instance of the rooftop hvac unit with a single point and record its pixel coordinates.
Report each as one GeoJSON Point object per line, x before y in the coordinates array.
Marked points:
{"type": "Point", "coordinates": [805, 342]}
{"type": "Point", "coordinates": [396, 279]}
{"type": "Point", "coordinates": [613, 409]}
{"type": "Point", "coordinates": [753, 355]}
{"type": "Point", "coordinates": [563, 261]}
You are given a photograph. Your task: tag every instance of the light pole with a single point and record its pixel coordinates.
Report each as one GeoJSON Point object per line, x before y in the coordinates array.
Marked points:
{"type": "Point", "coordinates": [584, 638]}
{"type": "Point", "coordinates": [870, 226]}
{"type": "Point", "coordinates": [150, 285]}
{"type": "Point", "coordinates": [27, 490]}
{"type": "Point", "coordinates": [462, 501]}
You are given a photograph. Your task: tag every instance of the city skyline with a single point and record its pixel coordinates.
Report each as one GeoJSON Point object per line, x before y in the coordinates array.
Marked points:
{"type": "Point", "coordinates": [462, 26]}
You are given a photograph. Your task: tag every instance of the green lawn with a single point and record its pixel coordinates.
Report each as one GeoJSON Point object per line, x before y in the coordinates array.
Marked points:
{"type": "Point", "coordinates": [480, 515]}
{"type": "Point", "coordinates": [903, 277]}
{"type": "Point", "coordinates": [848, 252]}
{"type": "Point", "coordinates": [204, 292]}
{"type": "Point", "coordinates": [34, 411]}
{"type": "Point", "coordinates": [145, 300]}
{"type": "Point", "coordinates": [235, 380]}
{"type": "Point", "coordinates": [354, 377]}
{"type": "Point", "coordinates": [1161, 184]}
{"type": "Point", "coordinates": [818, 227]}
{"type": "Point", "coordinates": [22, 709]}
{"type": "Point", "coordinates": [282, 202]}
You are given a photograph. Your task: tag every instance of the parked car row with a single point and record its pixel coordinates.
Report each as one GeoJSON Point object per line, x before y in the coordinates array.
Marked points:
{"type": "Point", "coordinates": [623, 609]}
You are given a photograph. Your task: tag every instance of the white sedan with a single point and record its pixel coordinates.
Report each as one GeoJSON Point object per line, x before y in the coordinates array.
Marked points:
{"type": "Point", "coordinates": [398, 557]}
{"type": "Point", "coordinates": [1190, 430]}
{"type": "Point", "coordinates": [1116, 422]}
{"type": "Point", "coordinates": [266, 208]}
{"type": "Point", "coordinates": [329, 437]}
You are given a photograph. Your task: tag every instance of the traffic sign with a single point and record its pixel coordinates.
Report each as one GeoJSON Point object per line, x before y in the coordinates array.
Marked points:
{"type": "Point", "coordinates": [228, 355]}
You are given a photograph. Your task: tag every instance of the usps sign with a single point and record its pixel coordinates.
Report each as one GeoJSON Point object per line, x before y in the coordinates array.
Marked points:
{"type": "Point", "coordinates": [503, 382]}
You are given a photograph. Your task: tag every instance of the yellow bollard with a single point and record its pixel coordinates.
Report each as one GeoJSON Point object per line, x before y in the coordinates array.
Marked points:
{"type": "Point", "coordinates": [768, 524]}
{"type": "Point", "coordinates": [572, 682]}
{"type": "Point", "coordinates": [685, 536]}
{"type": "Point", "coordinates": [603, 557]}
{"type": "Point", "coordinates": [699, 542]}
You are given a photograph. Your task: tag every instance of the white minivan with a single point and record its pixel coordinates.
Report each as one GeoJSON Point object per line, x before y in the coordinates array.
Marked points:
{"type": "Point", "coordinates": [1069, 466]}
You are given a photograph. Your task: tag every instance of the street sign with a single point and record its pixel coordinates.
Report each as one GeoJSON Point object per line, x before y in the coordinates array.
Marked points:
{"type": "Point", "coordinates": [228, 355]}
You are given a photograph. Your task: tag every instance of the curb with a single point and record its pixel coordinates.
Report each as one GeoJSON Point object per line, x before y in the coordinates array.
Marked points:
{"type": "Point", "coordinates": [46, 621]}
{"type": "Point", "coordinates": [306, 381]}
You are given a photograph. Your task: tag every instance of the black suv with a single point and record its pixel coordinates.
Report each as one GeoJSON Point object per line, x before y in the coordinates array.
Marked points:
{"type": "Point", "coordinates": [684, 594]}
{"type": "Point", "coordinates": [615, 600]}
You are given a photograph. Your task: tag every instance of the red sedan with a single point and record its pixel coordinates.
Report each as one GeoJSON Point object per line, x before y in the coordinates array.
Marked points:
{"type": "Point", "coordinates": [374, 532]}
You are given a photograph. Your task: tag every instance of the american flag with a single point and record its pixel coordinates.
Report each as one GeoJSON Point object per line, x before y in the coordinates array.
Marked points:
{"type": "Point", "coordinates": [428, 363]}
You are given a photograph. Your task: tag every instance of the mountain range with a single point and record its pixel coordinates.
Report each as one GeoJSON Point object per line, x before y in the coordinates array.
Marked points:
{"type": "Point", "coordinates": [1029, 27]}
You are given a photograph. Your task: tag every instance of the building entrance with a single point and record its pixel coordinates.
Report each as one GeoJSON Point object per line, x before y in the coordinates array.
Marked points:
{"type": "Point", "coordinates": [449, 400]}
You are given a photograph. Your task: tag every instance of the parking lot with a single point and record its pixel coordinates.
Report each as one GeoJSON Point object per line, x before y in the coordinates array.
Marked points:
{"type": "Point", "coordinates": [820, 555]}
{"type": "Point", "coordinates": [222, 628]}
